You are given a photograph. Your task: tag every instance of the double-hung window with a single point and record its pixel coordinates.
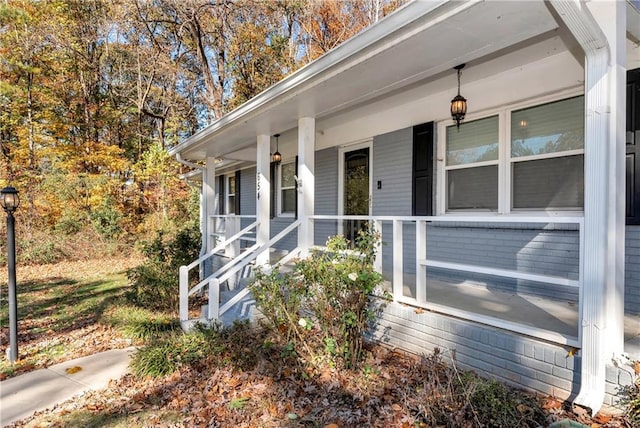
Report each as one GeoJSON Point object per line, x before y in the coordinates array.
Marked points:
{"type": "Point", "coordinates": [287, 189]}
{"type": "Point", "coordinates": [231, 194]}
{"type": "Point", "coordinates": [528, 159]}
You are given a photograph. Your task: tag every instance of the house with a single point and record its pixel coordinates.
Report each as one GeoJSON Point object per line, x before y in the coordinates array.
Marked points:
{"type": "Point", "coordinates": [517, 232]}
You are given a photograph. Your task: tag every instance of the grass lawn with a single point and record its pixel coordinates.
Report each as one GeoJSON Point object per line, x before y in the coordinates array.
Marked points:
{"type": "Point", "coordinates": [60, 312]}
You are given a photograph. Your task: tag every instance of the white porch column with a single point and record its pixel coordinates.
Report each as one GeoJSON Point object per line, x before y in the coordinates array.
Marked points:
{"type": "Point", "coordinates": [209, 202]}
{"type": "Point", "coordinates": [600, 30]}
{"type": "Point", "coordinates": [263, 195]}
{"type": "Point", "coordinates": [306, 184]}
{"type": "Point", "coordinates": [612, 18]}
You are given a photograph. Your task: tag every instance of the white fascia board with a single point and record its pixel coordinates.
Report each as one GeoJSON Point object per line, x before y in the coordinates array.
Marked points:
{"type": "Point", "coordinates": [324, 66]}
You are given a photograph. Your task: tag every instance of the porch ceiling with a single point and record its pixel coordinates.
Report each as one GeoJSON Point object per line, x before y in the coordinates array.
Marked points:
{"type": "Point", "coordinates": [416, 43]}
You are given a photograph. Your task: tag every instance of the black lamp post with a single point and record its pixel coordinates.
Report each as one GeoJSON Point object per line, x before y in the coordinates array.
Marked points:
{"type": "Point", "coordinates": [10, 201]}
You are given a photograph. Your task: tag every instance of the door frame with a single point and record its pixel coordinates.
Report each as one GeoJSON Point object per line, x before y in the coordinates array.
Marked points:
{"type": "Point", "coordinates": [342, 150]}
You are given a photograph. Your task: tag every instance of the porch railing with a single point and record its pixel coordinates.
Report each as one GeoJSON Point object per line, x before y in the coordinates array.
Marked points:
{"type": "Point", "coordinates": [226, 272]}
{"type": "Point", "coordinates": [422, 262]}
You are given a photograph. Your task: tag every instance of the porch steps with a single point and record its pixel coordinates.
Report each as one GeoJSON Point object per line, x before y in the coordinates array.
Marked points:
{"type": "Point", "coordinates": [245, 308]}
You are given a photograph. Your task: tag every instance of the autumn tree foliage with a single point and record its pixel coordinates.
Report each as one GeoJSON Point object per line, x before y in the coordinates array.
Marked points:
{"type": "Point", "coordinates": [92, 93]}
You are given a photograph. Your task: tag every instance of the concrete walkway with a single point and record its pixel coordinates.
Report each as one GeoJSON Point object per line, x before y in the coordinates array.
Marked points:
{"type": "Point", "coordinates": [23, 395]}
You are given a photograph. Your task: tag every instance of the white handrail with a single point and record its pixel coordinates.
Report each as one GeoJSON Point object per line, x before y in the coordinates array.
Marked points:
{"type": "Point", "coordinates": [255, 254]}
{"type": "Point", "coordinates": [231, 268]}
{"type": "Point", "coordinates": [224, 268]}
{"type": "Point", "coordinates": [221, 245]}
{"type": "Point", "coordinates": [454, 218]}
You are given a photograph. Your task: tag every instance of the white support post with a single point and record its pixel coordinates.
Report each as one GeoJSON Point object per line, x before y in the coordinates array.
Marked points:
{"type": "Point", "coordinates": [398, 280]}
{"type": "Point", "coordinates": [421, 254]}
{"type": "Point", "coordinates": [184, 293]}
{"type": "Point", "coordinates": [306, 182]}
{"type": "Point", "coordinates": [377, 262]}
{"type": "Point", "coordinates": [213, 306]}
{"type": "Point", "coordinates": [613, 21]}
{"type": "Point", "coordinates": [600, 28]}
{"type": "Point", "coordinates": [210, 201]}
{"type": "Point", "coordinates": [263, 196]}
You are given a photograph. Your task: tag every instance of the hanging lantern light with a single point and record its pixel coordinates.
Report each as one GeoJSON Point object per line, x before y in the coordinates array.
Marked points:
{"type": "Point", "coordinates": [276, 157]}
{"type": "Point", "coordinates": [458, 103]}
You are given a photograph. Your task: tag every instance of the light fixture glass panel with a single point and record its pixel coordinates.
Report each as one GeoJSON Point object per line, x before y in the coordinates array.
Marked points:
{"type": "Point", "coordinates": [548, 128]}
{"type": "Point", "coordinates": [555, 183]}
{"type": "Point", "coordinates": [475, 141]}
{"type": "Point", "coordinates": [473, 188]}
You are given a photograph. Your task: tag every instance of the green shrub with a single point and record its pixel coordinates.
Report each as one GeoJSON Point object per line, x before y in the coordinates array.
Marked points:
{"type": "Point", "coordinates": [327, 292]}
{"type": "Point", "coordinates": [106, 220]}
{"type": "Point", "coordinates": [70, 223]}
{"type": "Point", "coordinates": [154, 284]}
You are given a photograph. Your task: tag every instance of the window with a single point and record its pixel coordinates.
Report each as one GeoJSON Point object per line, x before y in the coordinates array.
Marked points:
{"type": "Point", "coordinates": [539, 166]}
{"type": "Point", "coordinates": [287, 189]}
{"type": "Point", "coordinates": [472, 165]}
{"type": "Point", "coordinates": [547, 156]}
{"type": "Point", "coordinates": [231, 194]}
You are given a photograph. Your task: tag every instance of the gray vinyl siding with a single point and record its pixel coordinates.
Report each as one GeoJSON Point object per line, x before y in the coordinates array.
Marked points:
{"type": "Point", "coordinates": [326, 189]}
{"type": "Point", "coordinates": [393, 168]}
{"type": "Point", "coordinates": [632, 270]}
{"type": "Point", "coordinates": [289, 242]}
{"type": "Point", "coordinates": [248, 191]}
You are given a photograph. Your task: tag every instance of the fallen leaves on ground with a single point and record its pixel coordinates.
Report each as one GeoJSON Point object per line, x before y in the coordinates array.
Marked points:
{"type": "Point", "coordinates": [265, 394]}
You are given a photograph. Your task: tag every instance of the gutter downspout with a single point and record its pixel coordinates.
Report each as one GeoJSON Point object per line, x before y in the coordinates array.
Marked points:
{"type": "Point", "coordinates": [593, 297]}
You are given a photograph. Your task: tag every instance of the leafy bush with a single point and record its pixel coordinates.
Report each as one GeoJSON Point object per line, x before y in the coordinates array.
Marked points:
{"type": "Point", "coordinates": [154, 284]}
{"type": "Point", "coordinates": [70, 223]}
{"type": "Point", "coordinates": [106, 220]}
{"type": "Point", "coordinates": [328, 293]}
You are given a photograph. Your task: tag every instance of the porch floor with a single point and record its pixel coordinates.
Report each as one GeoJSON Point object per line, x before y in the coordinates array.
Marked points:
{"type": "Point", "coordinates": [558, 316]}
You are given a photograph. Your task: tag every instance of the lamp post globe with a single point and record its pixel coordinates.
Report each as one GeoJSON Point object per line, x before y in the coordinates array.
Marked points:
{"type": "Point", "coordinates": [9, 201]}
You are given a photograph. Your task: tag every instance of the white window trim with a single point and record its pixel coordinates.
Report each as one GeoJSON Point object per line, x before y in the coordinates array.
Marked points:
{"type": "Point", "coordinates": [280, 188]}
{"type": "Point", "coordinates": [504, 161]}
{"type": "Point", "coordinates": [228, 194]}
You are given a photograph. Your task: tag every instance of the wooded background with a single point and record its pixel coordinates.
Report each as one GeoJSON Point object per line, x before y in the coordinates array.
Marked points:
{"type": "Point", "coordinates": [92, 93]}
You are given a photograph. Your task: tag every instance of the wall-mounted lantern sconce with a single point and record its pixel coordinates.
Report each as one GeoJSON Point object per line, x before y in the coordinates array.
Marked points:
{"type": "Point", "coordinates": [458, 103]}
{"type": "Point", "coordinates": [276, 157]}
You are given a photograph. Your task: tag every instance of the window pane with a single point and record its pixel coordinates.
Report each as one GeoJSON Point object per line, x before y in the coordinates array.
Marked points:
{"type": "Point", "coordinates": [549, 183]}
{"type": "Point", "coordinates": [475, 141]}
{"type": "Point", "coordinates": [231, 205]}
{"type": "Point", "coordinates": [289, 201]}
{"type": "Point", "coordinates": [232, 185]}
{"type": "Point", "coordinates": [549, 128]}
{"type": "Point", "coordinates": [288, 171]}
{"type": "Point", "coordinates": [473, 188]}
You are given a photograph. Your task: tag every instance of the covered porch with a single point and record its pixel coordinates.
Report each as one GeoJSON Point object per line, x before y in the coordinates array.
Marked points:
{"type": "Point", "coordinates": [352, 95]}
